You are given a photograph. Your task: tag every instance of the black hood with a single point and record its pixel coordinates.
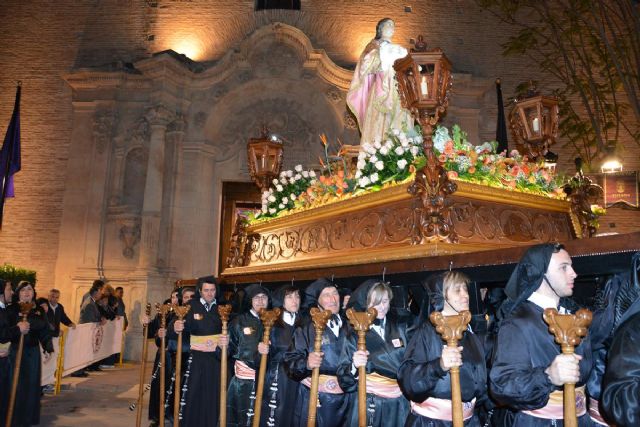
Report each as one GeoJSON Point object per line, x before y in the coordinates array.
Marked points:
{"type": "Point", "coordinates": [433, 299]}
{"type": "Point", "coordinates": [251, 291]}
{"type": "Point", "coordinates": [280, 293]}
{"type": "Point", "coordinates": [358, 299]}
{"type": "Point", "coordinates": [527, 276]}
{"type": "Point", "coordinates": [312, 292]}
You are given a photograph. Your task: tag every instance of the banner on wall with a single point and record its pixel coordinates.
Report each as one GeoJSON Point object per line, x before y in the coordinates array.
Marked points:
{"type": "Point", "coordinates": [621, 187]}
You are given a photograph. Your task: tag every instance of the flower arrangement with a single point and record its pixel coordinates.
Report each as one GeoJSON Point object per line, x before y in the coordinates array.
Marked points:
{"type": "Point", "coordinates": [481, 164]}
{"type": "Point", "coordinates": [388, 161]}
{"type": "Point", "coordinates": [285, 190]}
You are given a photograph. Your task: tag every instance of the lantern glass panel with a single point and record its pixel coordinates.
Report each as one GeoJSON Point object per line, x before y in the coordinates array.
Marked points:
{"type": "Point", "coordinates": [426, 81]}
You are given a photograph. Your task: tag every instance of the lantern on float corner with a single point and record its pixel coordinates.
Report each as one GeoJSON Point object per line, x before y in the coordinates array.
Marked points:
{"type": "Point", "coordinates": [264, 156]}
{"type": "Point", "coordinates": [534, 123]}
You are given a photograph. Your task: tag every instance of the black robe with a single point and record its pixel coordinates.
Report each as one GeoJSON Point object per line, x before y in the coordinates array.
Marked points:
{"type": "Point", "coordinates": [280, 391]}
{"type": "Point", "coordinates": [523, 351]}
{"type": "Point", "coordinates": [7, 333]}
{"type": "Point", "coordinates": [154, 393]}
{"type": "Point", "coordinates": [27, 407]}
{"type": "Point", "coordinates": [201, 390]}
{"type": "Point", "coordinates": [334, 409]}
{"type": "Point", "coordinates": [385, 357]}
{"type": "Point", "coordinates": [620, 398]}
{"type": "Point", "coordinates": [420, 375]}
{"type": "Point", "coordinates": [245, 332]}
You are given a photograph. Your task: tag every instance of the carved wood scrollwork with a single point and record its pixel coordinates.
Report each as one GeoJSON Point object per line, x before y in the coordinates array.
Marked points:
{"type": "Point", "coordinates": [239, 247]}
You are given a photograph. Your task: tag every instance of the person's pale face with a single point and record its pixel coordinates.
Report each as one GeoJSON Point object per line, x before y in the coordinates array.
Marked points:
{"type": "Point", "coordinates": [457, 299]}
{"type": "Point", "coordinates": [45, 307]}
{"type": "Point", "coordinates": [345, 301]}
{"type": "Point", "coordinates": [53, 298]}
{"type": "Point", "coordinates": [383, 306]}
{"type": "Point", "coordinates": [26, 294]}
{"type": "Point", "coordinates": [387, 30]}
{"type": "Point", "coordinates": [560, 273]}
{"type": "Point", "coordinates": [292, 302]}
{"type": "Point", "coordinates": [259, 302]}
{"type": "Point", "coordinates": [8, 291]}
{"type": "Point", "coordinates": [208, 292]}
{"type": "Point", "coordinates": [174, 298]}
{"type": "Point", "coordinates": [186, 296]}
{"type": "Point", "coordinates": [329, 299]}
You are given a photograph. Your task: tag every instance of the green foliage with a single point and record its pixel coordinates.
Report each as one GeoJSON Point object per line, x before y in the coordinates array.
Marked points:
{"type": "Point", "coordinates": [14, 274]}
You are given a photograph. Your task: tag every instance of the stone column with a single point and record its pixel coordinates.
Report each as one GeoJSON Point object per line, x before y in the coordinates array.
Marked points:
{"type": "Point", "coordinates": [158, 117]}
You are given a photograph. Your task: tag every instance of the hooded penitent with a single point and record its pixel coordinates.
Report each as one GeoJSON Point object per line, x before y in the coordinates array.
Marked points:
{"type": "Point", "coordinates": [527, 276]}
{"type": "Point", "coordinates": [251, 291]}
{"type": "Point", "coordinates": [358, 299]}
{"type": "Point", "coordinates": [313, 291]}
{"type": "Point", "coordinates": [279, 294]}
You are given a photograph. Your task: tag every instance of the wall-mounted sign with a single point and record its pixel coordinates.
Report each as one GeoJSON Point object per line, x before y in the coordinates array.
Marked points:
{"type": "Point", "coordinates": [621, 187]}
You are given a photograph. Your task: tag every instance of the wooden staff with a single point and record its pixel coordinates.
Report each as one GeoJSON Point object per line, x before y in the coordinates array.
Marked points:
{"type": "Point", "coordinates": [25, 308]}
{"type": "Point", "coordinates": [568, 330]}
{"type": "Point", "coordinates": [224, 311]}
{"type": "Point", "coordinates": [163, 311]}
{"type": "Point", "coordinates": [180, 311]}
{"type": "Point", "coordinates": [143, 362]}
{"type": "Point", "coordinates": [320, 319]}
{"type": "Point", "coordinates": [451, 329]}
{"type": "Point", "coordinates": [361, 322]}
{"type": "Point", "coordinates": [268, 318]}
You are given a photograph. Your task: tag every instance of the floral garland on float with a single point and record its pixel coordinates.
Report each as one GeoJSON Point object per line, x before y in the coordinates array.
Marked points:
{"type": "Point", "coordinates": [394, 162]}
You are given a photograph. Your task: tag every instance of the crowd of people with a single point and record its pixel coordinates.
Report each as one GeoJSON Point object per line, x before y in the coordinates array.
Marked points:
{"type": "Point", "coordinates": [38, 326]}
{"type": "Point", "coordinates": [511, 370]}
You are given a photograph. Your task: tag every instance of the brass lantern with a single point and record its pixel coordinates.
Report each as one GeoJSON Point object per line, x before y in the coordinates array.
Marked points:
{"type": "Point", "coordinates": [424, 81]}
{"type": "Point", "coordinates": [264, 155]}
{"type": "Point", "coordinates": [534, 123]}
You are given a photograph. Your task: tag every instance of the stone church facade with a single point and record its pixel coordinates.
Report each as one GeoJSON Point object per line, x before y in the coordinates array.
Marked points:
{"type": "Point", "coordinates": [127, 142]}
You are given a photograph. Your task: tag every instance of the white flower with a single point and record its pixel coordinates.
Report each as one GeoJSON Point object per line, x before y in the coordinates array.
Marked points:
{"type": "Point", "coordinates": [402, 163]}
{"type": "Point", "coordinates": [298, 177]}
{"type": "Point", "coordinates": [379, 165]}
{"type": "Point", "coordinates": [414, 150]}
{"type": "Point", "coordinates": [361, 164]}
{"type": "Point", "coordinates": [366, 147]}
{"type": "Point", "coordinates": [364, 181]}
{"type": "Point", "coordinates": [283, 174]}
{"type": "Point", "coordinates": [298, 168]}
{"type": "Point", "coordinates": [281, 206]}
{"type": "Point", "coordinates": [284, 181]}
{"type": "Point", "coordinates": [358, 174]}
{"type": "Point", "coordinates": [272, 211]}
{"type": "Point", "coordinates": [377, 144]}
{"type": "Point", "coordinates": [373, 159]}
{"type": "Point", "coordinates": [305, 174]}
{"type": "Point", "coordinates": [264, 209]}
{"type": "Point", "coordinates": [396, 132]}
{"type": "Point", "coordinates": [404, 143]}
{"type": "Point", "coordinates": [362, 155]}
{"type": "Point", "coordinates": [389, 144]}
{"type": "Point", "coordinates": [292, 196]}
{"type": "Point", "coordinates": [374, 177]}
{"type": "Point", "coordinates": [275, 181]}
{"type": "Point", "coordinates": [371, 149]}
{"type": "Point", "coordinates": [384, 150]}
{"type": "Point", "coordinates": [285, 200]}
{"type": "Point", "coordinates": [272, 199]}
{"type": "Point", "coordinates": [279, 188]}
{"type": "Point", "coordinates": [265, 194]}
{"type": "Point", "coordinates": [289, 173]}
{"type": "Point", "coordinates": [399, 151]}
{"type": "Point", "coordinates": [312, 174]}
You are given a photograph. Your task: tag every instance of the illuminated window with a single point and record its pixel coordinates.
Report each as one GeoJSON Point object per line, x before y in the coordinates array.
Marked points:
{"type": "Point", "coordinates": [278, 4]}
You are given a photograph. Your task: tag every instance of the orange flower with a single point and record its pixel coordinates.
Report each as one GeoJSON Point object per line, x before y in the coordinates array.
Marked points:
{"type": "Point", "coordinates": [442, 158]}
{"type": "Point", "coordinates": [448, 147]}
{"type": "Point", "coordinates": [452, 174]}
{"type": "Point", "coordinates": [472, 169]}
{"type": "Point", "coordinates": [323, 139]}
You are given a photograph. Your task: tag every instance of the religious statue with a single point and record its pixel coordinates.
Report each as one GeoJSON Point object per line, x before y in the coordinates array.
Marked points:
{"type": "Point", "coordinates": [373, 96]}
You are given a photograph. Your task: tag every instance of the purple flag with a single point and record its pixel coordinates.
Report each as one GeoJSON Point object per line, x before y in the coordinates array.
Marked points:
{"type": "Point", "coordinates": [10, 154]}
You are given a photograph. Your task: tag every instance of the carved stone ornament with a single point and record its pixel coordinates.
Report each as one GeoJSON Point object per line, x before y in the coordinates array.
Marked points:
{"type": "Point", "coordinates": [129, 234]}
{"type": "Point", "coordinates": [159, 116]}
{"type": "Point", "coordinates": [103, 129]}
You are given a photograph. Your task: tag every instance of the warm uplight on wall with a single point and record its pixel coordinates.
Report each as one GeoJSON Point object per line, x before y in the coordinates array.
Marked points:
{"type": "Point", "coordinates": [188, 46]}
{"type": "Point", "coordinates": [611, 163]}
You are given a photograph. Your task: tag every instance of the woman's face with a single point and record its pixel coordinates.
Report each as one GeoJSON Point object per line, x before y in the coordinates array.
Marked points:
{"type": "Point", "coordinates": [387, 29]}
{"type": "Point", "coordinates": [457, 299]}
{"type": "Point", "coordinates": [383, 306]}
{"type": "Point", "coordinates": [26, 294]}
{"type": "Point", "coordinates": [292, 302]}
{"type": "Point", "coordinates": [174, 298]}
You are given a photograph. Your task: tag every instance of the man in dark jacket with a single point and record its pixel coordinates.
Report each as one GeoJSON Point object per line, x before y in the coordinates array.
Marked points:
{"type": "Point", "coordinates": [56, 314]}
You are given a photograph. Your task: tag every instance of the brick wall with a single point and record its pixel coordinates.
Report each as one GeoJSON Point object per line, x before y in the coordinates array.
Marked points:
{"type": "Point", "coordinates": [43, 40]}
